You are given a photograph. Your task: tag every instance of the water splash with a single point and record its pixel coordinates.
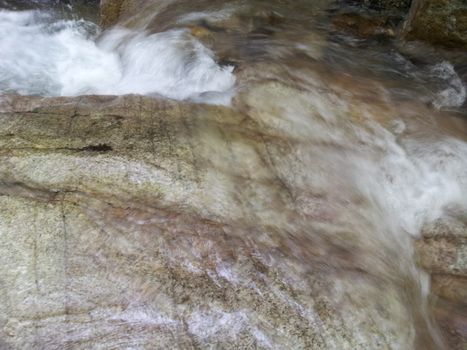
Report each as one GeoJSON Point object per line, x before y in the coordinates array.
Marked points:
{"type": "Point", "coordinates": [42, 56]}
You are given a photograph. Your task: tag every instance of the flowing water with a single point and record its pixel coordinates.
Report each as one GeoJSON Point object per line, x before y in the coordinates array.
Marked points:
{"type": "Point", "coordinates": [378, 126]}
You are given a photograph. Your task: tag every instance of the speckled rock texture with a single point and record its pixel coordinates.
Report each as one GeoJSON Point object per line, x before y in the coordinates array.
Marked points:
{"type": "Point", "coordinates": [442, 252]}
{"type": "Point", "coordinates": [139, 223]}
{"type": "Point", "coordinates": [124, 223]}
{"type": "Point", "coordinates": [441, 22]}
{"type": "Point", "coordinates": [110, 12]}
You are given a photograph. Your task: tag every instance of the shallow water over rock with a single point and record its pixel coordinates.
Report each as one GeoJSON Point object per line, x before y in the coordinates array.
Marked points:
{"type": "Point", "coordinates": [305, 208]}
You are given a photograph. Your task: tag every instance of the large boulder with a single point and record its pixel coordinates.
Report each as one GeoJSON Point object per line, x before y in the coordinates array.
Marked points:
{"type": "Point", "coordinates": [132, 222]}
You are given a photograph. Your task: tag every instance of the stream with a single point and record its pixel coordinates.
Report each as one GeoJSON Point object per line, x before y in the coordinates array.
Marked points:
{"type": "Point", "coordinates": [369, 138]}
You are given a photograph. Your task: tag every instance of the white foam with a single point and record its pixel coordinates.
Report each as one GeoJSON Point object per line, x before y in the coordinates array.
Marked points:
{"type": "Point", "coordinates": [416, 182]}
{"type": "Point", "coordinates": [455, 94]}
{"type": "Point", "coordinates": [63, 58]}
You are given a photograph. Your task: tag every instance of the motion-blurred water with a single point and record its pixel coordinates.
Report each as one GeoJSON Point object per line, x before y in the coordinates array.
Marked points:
{"type": "Point", "coordinates": [380, 132]}
{"type": "Point", "coordinates": [43, 55]}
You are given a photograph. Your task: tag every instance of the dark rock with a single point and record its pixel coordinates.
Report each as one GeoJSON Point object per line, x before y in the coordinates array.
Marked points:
{"type": "Point", "coordinates": [389, 4]}
{"type": "Point", "coordinates": [440, 22]}
{"type": "Point", "coordinates": [110, 12]}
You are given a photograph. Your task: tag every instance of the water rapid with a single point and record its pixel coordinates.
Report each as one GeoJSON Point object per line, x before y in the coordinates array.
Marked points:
{"type": "Point", "coordinates": [45, 55]}
{"type": "Point", "coordinates": [320, 161]}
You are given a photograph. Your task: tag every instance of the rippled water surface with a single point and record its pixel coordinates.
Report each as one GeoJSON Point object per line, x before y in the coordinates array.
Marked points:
{"type": "Point", "coordinates": [372, 131]}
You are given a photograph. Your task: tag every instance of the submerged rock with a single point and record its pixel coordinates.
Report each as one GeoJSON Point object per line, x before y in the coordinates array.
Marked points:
{"type": "Point", "coordinates": [364, 26]}
{"type": "Point", "coordinates": [436, 22]}
{"type": "Point", "coordinates": [439, 22]}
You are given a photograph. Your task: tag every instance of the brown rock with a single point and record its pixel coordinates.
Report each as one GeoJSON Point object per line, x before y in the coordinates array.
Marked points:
{"type": "Point", "coordinates": [110, 12]}
{"type": "Point", "coordinates": [452, 319]}
{"type": "Point", "coordinates": [450, 287]}
{"type": "Point", "coordinates": [444, 255]}
{"type": "Point", "coordinates": [200, 32]}
{"type": "Point", "coordinates": [440, 22]}
{"type": "Point", "coordinates": [124, 223]}
{"type": "Point", "coordinates": [362, 25]}
{"type": "Point", "coordinates": [443, 248]}
{"type": "Point", "coordinates": [443, 252]}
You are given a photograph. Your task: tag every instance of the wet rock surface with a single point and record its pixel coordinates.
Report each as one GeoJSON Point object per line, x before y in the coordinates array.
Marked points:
{"type": "Point", "coordinates": [132, 221]}
{"type": "Point", "coordinates": [364, 26]}
{"type": "Point", "coordinates": [125, 223]}
{"type": "Point", "coordinates": [442, 252]}
{"type": "Point", "coordinates": [441, 22]}
{"type": "Point", "coordinates": [388, 4]}
{"type": "Point", "coordinates": [437, 22]}
{"type": "Point", "coordinates": [283, 221]}
{"type": "Point", "coordinates": [110, 12]}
